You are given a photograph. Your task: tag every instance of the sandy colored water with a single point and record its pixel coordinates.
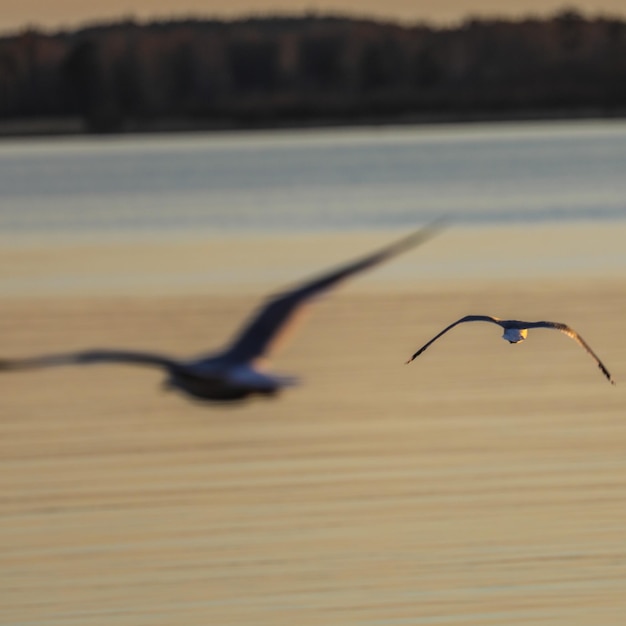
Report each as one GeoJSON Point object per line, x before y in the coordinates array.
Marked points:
{"type": "Point", "coordinates": [483, 484]}
{"type": "Point", "coordinates": [180, 263]}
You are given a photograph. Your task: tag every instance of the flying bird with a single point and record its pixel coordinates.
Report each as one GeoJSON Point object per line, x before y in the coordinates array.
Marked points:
{"type": "Point", "coordinates": [515, 331]}
{"type": "Point", "coordinates": [237, 371]}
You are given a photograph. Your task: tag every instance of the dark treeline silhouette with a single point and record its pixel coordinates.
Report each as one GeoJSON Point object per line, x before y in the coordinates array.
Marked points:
{"type": "Point", "coordinates": [272, 71]}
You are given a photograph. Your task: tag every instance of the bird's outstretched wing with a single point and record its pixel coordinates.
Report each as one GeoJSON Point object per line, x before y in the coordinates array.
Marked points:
{"type": "Point", "coordinates": [89, 356]}
{"type": "Point", "coordinates": [570, 332]}
{"type": "Point", "coordinates": [467, 318]}
{"type": "Point", "coordinates": [273, 319]}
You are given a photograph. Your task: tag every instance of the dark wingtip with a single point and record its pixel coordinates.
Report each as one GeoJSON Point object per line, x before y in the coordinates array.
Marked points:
{"type": "Point", "coordinates": [416, 354]}
{"type": "Point", "coordinates": [415, 238]}
{"type": "Point", "coordinates": [607, 374]}
{"type": "Point", "coordinates": [425, 233]}
{"type": "Point", "coordinates": [610, 378]}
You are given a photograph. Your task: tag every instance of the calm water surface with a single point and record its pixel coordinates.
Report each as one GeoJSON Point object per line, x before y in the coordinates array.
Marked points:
{"type": "Point", "coordinates": [316, 180]}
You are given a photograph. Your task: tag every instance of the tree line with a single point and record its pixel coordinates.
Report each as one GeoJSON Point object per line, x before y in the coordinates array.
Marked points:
{"type": "Point", "coordinates": [301, 70]}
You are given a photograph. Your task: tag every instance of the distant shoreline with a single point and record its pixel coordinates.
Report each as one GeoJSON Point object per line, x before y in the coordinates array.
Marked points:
{"type": "Point", "coordinates": [309, 72]}
{"type": "Point", "coordinates": [75, 126]}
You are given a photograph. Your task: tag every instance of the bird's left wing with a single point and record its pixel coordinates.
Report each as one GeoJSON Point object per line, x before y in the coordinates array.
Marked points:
{"type": "Point", "coordinates": [570, 332]}
{"type": "Point", "coordinates": [467, 318]}
{"type": "Point", "coordinates": [273, 319]}
{"type": "Point", "coordinates": [88, 356]}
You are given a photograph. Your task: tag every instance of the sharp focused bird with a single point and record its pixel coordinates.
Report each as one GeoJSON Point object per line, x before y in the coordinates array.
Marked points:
{"type": "Point", "coordinates": [515, 331]}
{"type": "Point", "coordinates": [236, 372]}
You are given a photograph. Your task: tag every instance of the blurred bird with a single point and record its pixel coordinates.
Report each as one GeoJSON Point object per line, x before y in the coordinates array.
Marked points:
{"type": "Point", "coordinates": [236, 372]}
{"type": "Point", "coordinates": [516, 331]}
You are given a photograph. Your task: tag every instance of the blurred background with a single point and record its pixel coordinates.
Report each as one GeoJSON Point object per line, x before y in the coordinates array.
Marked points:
{"type": "Point", "coordinates": [163, 167]}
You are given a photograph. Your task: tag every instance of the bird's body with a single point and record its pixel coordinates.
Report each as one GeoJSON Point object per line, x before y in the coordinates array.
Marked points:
{"type": "Point", "coordinates": [212, 379]}
{"type": "Point", "coordinates": [515, 331]}
{"type": "Point", "coordinates": [236, 372]}
{"type": "Point", "coordinates": [515, 335]}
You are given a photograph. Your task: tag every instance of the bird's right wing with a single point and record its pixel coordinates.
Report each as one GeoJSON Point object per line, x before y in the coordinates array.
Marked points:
{"type": "Point", "coordinates": [570, 332]}
{"type": "Point", "coordinates": [467, 318]}
{"type": "Point", "coordinates": [88, 356]}
{"type": "Point", "coordinates": [273, 319]}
